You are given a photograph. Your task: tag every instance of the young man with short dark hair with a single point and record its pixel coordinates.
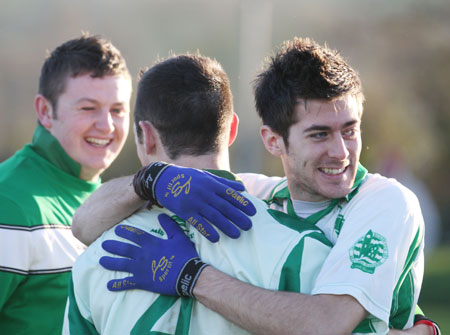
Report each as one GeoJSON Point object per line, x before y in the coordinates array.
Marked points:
{"type": "Point", "coordinates": [83, 120]}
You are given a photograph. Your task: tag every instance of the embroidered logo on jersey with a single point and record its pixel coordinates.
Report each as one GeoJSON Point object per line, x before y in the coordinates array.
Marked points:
{"type": "Point", "coordinates": [369, 252]}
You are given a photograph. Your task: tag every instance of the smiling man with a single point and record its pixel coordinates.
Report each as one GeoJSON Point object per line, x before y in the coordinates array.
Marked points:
{"type": "Point", "coordinates": [325, 142]}
{"type": "Point", "coordinates": [83, 118]}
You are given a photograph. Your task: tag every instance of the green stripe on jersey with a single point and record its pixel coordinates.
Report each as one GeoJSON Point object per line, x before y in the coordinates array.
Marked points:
{"type": "Point", "coordinates": [78, 325]}
{"type": "Point", "coordinates": [403, 296]}
{"type": "Point", "coordinates": [156, 311]}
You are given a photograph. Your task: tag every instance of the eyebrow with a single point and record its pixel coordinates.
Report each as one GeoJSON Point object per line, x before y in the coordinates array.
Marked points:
{"type": "Point", "coordinates": [96, 102]}
{"type": "Point", "coordinates": [327, 128]}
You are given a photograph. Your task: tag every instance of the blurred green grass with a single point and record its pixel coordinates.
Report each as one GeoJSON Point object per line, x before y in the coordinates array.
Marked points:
{"type": "Point", "coordinates": [435, 295]}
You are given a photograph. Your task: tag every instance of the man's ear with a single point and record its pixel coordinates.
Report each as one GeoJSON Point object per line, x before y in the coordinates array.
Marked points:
{"type": "Point", "coordinates": [273, 142]}
{"type": "Point", "coordinates": [44, 110]}
{"type": "Point", "coordinates": [233, 129]}
{"type": "Point", "coordinates": [149, 136]}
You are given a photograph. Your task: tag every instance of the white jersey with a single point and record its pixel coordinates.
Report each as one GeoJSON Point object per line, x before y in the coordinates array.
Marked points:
{"type": "Point", "coordinates": [377, 232]}
{"type": "Point", "coordinates": [271, 255]}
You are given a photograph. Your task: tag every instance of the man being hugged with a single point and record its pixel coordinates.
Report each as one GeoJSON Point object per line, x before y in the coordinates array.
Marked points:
{"type": "Point", "coordinates": [184, 115]}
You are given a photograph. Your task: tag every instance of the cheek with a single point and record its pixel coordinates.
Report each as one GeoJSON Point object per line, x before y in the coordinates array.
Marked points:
{"type": "Point", "coordinates": [122, 125]}
{"type": "Point", "coordinates": [356, 147]}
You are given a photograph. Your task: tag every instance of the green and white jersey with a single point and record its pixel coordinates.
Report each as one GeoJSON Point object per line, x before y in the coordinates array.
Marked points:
{"type": "Point", "coordinates": [377, 232]}
{"type": "Point", "coordinates": [39, 192]}
{"type": "Point", "coordinates": [275, 254]}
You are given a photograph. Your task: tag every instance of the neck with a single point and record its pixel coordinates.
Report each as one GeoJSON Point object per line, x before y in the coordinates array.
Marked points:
{"type": "Point", "coordinates": [90, 174]}
{"type": "Point", "coordinates": [214, 161]}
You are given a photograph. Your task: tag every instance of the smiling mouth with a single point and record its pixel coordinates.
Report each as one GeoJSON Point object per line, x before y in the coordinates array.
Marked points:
{"type": "Point", "coordinates": [98, 142]}
{"type": "Point", "coordinates": [333, 172]}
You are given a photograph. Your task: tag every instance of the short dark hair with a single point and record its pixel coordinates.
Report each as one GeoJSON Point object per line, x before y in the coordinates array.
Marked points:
{"type": "Point", "coordinates": [79, 56]}
{"type": "Point", "coordinates": [302, 69]}
{"type": "Point", "coordinates": [188, 100]}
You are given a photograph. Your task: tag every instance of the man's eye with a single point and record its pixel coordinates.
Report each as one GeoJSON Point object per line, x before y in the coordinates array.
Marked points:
{"type": "Point", "coordinates": [350, 133]}
{"type": "Point", "coordinates": [320, 135]}
{"type": "Point", "coordinates": [116, 110]}
{"type": "Point", "coordinates": [88, 108]}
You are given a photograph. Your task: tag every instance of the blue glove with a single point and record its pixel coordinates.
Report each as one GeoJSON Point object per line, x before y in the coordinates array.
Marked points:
{"type": "Point", "coordinates": [167, 266]}
{"type": "Point", "coordinates": [196, 196]}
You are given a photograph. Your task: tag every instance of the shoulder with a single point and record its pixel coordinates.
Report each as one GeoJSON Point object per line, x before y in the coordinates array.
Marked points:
{"type": "Point", "coordinates": [261, 186]}
{"type": "Point", "coordinates": [12, 210]}
{"type": "Point", "coordinates": [384, 202]}
{"type": "Point", "coordinates": [379, 190]}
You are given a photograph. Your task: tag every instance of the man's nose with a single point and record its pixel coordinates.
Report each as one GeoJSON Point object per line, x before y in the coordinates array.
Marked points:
{"type": "Point", "coordinates": [338, 148]}
{"type": "Point", "coordinates": [105, 121]}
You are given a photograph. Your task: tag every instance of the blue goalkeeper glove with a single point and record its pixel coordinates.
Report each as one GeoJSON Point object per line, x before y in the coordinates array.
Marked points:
{"type": "Point", "coordinates": [167, 266]}
{"type": "Point", "coordinates": [197, 197]}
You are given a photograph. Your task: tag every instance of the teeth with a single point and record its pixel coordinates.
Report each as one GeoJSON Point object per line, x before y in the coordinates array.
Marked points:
{"type": "Point", "coordinates": [332, 171]}
{"type": "Point", "coordinates": [97, 141]}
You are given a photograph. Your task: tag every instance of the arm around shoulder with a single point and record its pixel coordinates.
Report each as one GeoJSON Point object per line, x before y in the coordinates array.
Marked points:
{"type": "Point", "coordinates": [111, 203]}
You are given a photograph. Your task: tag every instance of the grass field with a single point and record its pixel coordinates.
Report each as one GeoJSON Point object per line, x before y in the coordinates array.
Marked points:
{"type": "Point", "coordinates": [435, 295]}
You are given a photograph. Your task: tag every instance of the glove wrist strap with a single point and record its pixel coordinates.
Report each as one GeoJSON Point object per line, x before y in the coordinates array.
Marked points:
{"type": "Point", "coordinates": [188, 277]}
{"type": "Point", "coordinates": [145, 179]}
{"type": "Point", "coordinates": [421, 319]}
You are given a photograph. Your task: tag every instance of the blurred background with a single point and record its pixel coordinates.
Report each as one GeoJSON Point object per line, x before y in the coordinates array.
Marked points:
{"type": "Point", "coordinates": [400, 48]}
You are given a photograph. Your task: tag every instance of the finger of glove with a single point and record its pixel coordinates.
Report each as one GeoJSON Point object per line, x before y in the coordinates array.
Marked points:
{"type": "Point", "coordinates": [133, 234]}
{"type": "Point", "coordinates": [218, 220]}
{"type": "Point", "coordinates": [203, 227]}
{"type": "Point", "coordinates": [236, 185]}
{"type": "Point", "coordinates": [171, 228]}
{"type": "Point", "coordinates": [121, 284]}
{"type": "Point", "coordinates": [116, 264]}
{"type": "Point", "coordinates": [230, 213]}
{"type": "Point", "coordinates": [235, 198]}
{"type": "Point", "coordinates": [119, 248]}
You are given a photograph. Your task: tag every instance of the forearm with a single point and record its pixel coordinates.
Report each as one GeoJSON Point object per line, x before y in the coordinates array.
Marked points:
{"type": "Point", "coordinates": [272, 312]}
{"type": "Point", "coordinates": [111, 203]}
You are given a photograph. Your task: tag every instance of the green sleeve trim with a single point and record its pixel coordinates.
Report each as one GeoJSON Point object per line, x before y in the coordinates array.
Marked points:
{"type": "Point", "coordinates": [403, 296]}
{"type": "Point", "coordinates": [365, 327]}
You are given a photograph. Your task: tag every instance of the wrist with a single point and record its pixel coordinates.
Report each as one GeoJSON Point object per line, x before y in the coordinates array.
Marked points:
{"type": "Point", "coordinates": [433, 326]}
{"type": "Point", "coordinates": [145, 180]}
{"type": "Point", "coordinates": [188, 277]}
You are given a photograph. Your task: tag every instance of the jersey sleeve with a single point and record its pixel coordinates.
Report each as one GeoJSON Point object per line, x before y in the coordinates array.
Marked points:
{"type": "Point", "coordinates": [259, 185]}
{"type": "Point", "coordinates": [378, 256]}
{"type": "Point", "coordinates": [15, 247]}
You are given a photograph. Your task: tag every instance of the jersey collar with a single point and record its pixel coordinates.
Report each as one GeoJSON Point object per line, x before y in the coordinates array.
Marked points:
{"type": "Point", "coordinates": [224, 174]}
{"type": "Point", "coordinates": [47, 146]}
{"type": "Point", "coordinates": [283, 195]}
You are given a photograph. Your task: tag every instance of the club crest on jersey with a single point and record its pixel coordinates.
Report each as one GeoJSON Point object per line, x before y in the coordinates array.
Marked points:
{"type": "Point", "coordinates": [369, 252]}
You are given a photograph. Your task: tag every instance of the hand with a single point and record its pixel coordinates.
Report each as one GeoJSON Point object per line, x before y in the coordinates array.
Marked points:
{"type": "Point", "coordinates": [167, 266]}
{"type": "Point", "coordinates": [196, 196]}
